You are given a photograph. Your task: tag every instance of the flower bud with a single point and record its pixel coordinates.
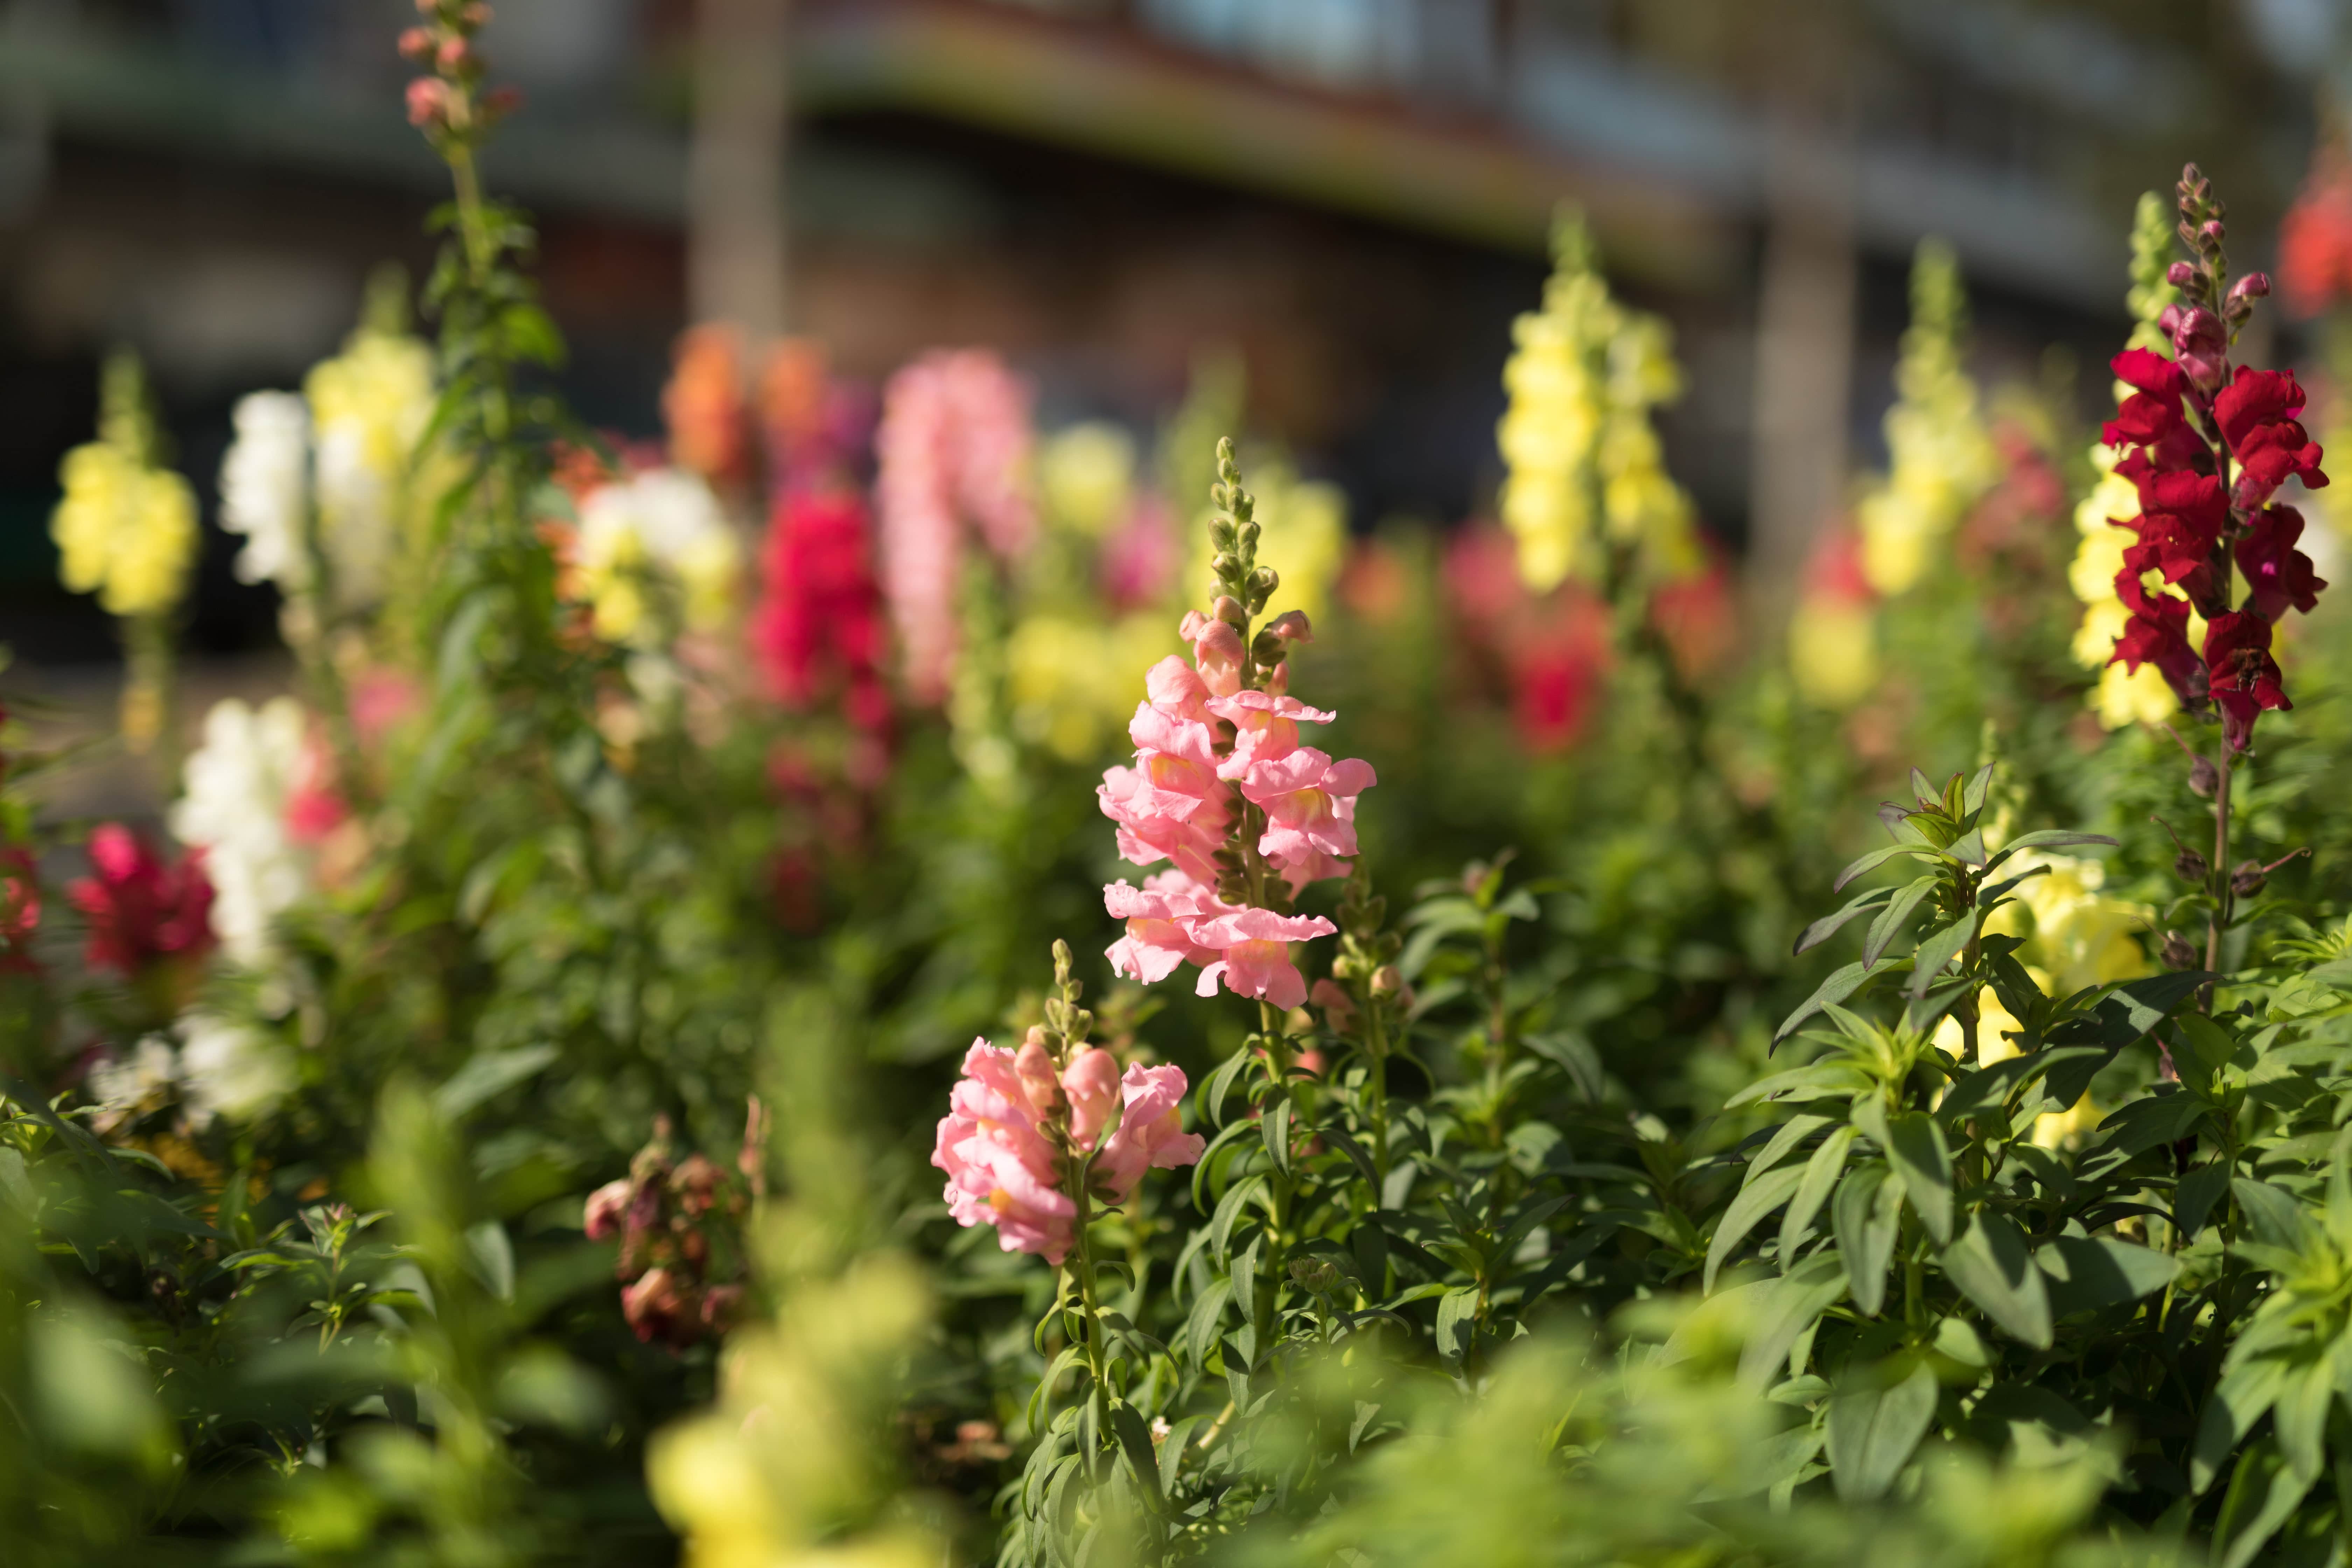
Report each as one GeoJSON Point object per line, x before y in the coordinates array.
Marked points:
{"type": "Point", "coordinates": [2252, 285]}
{"type": "Point", "coordinates": [416, 45]}
{"type": "Point", "coordinates": [500, 101]}
{"type": "Point", "coordinates": [428, 102]}
{"type": "Point", "coordinates": [2204, 778]}
{"type": "Point", "coordinates": [454, 56]}
{"type": "Point", "coordinates": [2201, 348]}
{"type": "Point", "coordinates": [1291, 626]}
{"type": "Point", "coordinates": [1229, 610]}
{"type": "Point", "coordinates": [2248, 879]}
{"type": "Point", "coordinates": [1091, 1080]}
{"type": "Point", "coordinates": [2177, 953]}
{"type": "Point", "coordinates": [1316, 1275]}
{"type": "Point", "coordinates": [2210, 234]}
{"type": "Point", "coordinates": [2180, 275]}
{"type": "Point", "coordinates": [1387, 981]}
{"type": "Point", "coordinates": [1035, 1068]}
{"type": "Point", "coordinates": [475, 16]}
{"type": "Point", "coordinates": [2190, 866]}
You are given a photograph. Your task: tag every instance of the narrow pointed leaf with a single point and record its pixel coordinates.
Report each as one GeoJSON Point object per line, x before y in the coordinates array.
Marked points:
{"type": "Point", "coordinates": [1893, 918]}
{"type": "Point", "coordinates": [1991, 1268]}
{"type": "Point", "coordinates": [1873, 1429]}
{"type": "Point", "coordinates": [1821, 1176]}
{"type": "Point", "coordinates": [1828, 926]}
{"type": "Point", "coordinates": [1759, 1198]}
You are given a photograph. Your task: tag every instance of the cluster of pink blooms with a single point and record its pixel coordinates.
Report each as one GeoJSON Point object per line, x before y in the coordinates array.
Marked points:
{"type": "Point", "coordinates": [679, 1224]}
{"type": "Point", "coordinates": [953, 450]}
{"type": "Point", "coordinates": [1003, 1166]}
{"type": "Point", "coordinates": [1204, 746]}
{"type": "Point", "coordinates": [141, 909]}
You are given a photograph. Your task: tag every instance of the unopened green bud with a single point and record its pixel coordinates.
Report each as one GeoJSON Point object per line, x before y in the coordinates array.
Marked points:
{"type": "Point", "coordinates": [1317, 1275]}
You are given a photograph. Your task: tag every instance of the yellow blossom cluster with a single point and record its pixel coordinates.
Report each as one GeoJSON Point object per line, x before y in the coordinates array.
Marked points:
{"type": "Point", "coordinates": [1582, 455]}
{"type": "Point", "coordinates": [1075, 683]}
{"type": "Point", "coordinates": [370, 407]}
{"type": "Point", "coordinates": [2124, 696]}
{"type": "Point", "coordinates": [769, 1478]}
{"type": "Point", "coordinates": [1941, 457]}
{"type": "Point", "coordinates": [126, 529]}
{"type": "Point", "coordinates": [2075, 936]}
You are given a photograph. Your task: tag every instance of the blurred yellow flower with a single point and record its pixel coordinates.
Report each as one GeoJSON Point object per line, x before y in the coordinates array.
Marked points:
{"type": "Point", "coordinates": [659, 527]}
{"type": "Point", "coordinates": [369, 408]}
{"type": "Point", "coordinates": [2075, 935]}
{"type": "Point", "coordinates": [1576, 438]}
{"type": "Point", "coordinates": [768, 1477]}
{"type": "Point", "coordinates": [1941, 459]}
{"type": "Point", "coordinates": [1833, 651]}
{"type": "Point", "coordinates": [1075, 684]}
{"type": "Point", "coordinates": [124, 531]}
{"type": "Point", "coordinates": [1085, 474]}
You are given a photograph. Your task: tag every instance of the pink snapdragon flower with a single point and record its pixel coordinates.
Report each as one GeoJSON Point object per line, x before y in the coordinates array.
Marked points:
{"type": "Point", "coordinates": [1148, 1135]}
{"type": "Point", "coordinates": [1000, 1169]}
{"type": "Point", "coordinates": [1004, 1170]}
{"type": "Point", "coordinates": [1203, 744]}
{"type": "Point", "coordinates": [953, 450]}
{"type": "Point", "coordinates": [1173, 919]}
{"type": "Point", "coordinates": [1309, 802]}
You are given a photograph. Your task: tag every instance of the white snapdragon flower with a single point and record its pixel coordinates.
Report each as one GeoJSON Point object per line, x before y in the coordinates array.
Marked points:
{"type": "Point", "coordinates": [231, 1069]}
{"type": "Point", "coordinates": [264, 488]}
{"type": "Point", "coordinates": [665, 519]}
{"type": "Point", "coordinates": [125, 1088]}
{"type": "Point", "coordinates": [234, 807]}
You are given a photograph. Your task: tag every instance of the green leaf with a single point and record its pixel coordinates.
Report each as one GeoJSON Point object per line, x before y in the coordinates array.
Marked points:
{"type": "Point", "coordinates": [487, 1074]}
{"type": "Point", "coordinates": [1874, 860]}
{"type": "Point", "coordinates": [1840, 984]}
{"type": "Point", "coordinates": [1134, 1443]}
{"type": "Point", "coordinates": [2194, 1197]}
{"type": "Point", "coordinates": [2264, 1492]}
{"type": "Point", "coordinates": [1828, 926]}
{"type": "Point", "coordinates": [1968, 848]}
{"type": "Point", "coordinates": [2243, 1396]}
{"type": "Point", "coordinates": [1973, 794]}
{"type": "Point", "coordinates": [1457, 1321]}
{"type": "Point", "coordinates": [1875, 1421]}
{"type": "Point", "coordinates": [1786, 1308]}
{"type": "Point", "coordinates": [1793, 1132]}
{"type": "Point", "coordinates": [2155, 1119]}
{"type": "Point", "coordinates": [2299, 1419]}
{"type": "Point", "coordinates": [2048, 839]}
{"type": "Point", "coordinates": [2272, 1216]}
{"type": "Point", "coordinates": [1894, 916]}
{"type": "Point", "coordinates": [1865, 1217]}
{"type": "Point", "coordinates": [1274, 1127]}
{"type": "Point", "coordinates": [1821, 1176]}
{"type": "Point", "coordinates": [1916, 1147]}
{"type": "Point", "coordinates": [2085, 1273]}
{"type": "Point", "coordinates": [1758, 1196]}
{"type": "Point", "coordinates": [1200, 1323]}
{"type": "Point", "coordinates": [1991, 1268]}
{"type": "Point", "coordinates": [1220, 1084]}
{"type": "Point", "coordinates": [1938, 949]}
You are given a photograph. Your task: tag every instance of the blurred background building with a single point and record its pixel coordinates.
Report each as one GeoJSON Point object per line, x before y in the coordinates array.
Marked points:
{"type": "Point", "coordinates": [1353, 194]}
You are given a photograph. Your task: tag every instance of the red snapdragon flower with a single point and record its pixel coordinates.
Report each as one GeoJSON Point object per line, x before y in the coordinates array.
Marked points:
{"type": "Point", "coordinates": [141, 909]}
{"type": "Point", "coordinates": [2207, 446]}
{"type": "Point", "coordinates": [819, 627]}
{"type": "Point", "coordinates": [2316, 235]}
{"type": "Point", "coordinates": [20, 911]}
{"type": "Point", "coordinates": [2244, 676]}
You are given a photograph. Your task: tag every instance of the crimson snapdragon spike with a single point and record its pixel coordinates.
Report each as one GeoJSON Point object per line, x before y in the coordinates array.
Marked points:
{"type": "Point", "coordinates": [2207, 445]}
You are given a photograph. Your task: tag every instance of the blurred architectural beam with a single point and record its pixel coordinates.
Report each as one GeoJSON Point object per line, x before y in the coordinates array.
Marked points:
{"type": "Point", "coordinates": [1804, 364]}
{"type": "Point", "coordinates": [736, 239]}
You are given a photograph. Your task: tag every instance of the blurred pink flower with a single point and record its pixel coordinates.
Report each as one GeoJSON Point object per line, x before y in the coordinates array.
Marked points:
{"type": "Point", "coordinates": [1139, 560]}
{"type": "Point", "coordinates": [605, 1207]}
{"type": "Point", "coordinates": [953, 449]}
{"type": "Point", "coordinates": [140, 909]}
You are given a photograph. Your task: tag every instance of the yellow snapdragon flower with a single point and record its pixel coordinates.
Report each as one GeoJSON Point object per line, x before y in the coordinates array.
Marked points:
{"type": "Point", "coordinates": [1075, 683]}
{"type": "Point", "coordinates": [1941, 459]}
{"type": "Point", "coordinates": [1577, 443]}
{"type": "Point", "coordinates": [766, 1478]}
{"type": "Point", "coordinates": [1085, 475]}
{"type": "Point", "coordinates": [124, 531]}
